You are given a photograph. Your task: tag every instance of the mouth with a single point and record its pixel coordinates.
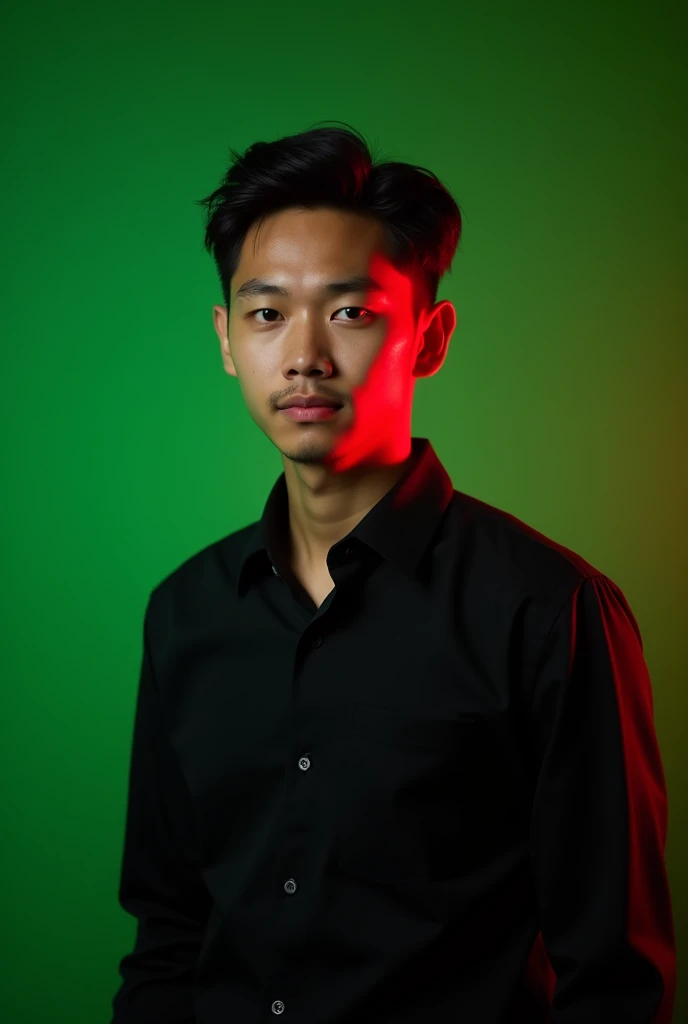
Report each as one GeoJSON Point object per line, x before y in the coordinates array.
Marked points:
{"type": "Point", "coordinates": [310, 413]}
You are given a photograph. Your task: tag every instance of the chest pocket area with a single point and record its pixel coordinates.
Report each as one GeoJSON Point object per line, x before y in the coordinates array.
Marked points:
{"type": "Point", "coordinates": [404, 793]}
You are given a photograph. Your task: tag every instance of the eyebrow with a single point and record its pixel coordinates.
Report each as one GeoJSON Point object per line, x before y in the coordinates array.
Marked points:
{"type": "Point", "coordinates": [257, 286]}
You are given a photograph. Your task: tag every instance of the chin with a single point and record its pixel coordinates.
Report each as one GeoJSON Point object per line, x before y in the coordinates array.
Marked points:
{"type": "Point", "coordinates": [309, 452]}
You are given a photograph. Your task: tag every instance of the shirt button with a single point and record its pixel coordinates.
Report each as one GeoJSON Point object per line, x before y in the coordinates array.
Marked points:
{"type": "Point", "coordinates": [290, 886]}
{"type": "Point", "coordinates": [304, 763]}
{"type": "Point", "coordinates": [317, 642]}
{"type": "Point", "coordinates": [278, 1006]}
{"type": "Point", "coordinates": [349, 552]}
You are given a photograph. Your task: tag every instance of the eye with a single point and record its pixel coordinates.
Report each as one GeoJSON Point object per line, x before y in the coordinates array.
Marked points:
{"type": "Point", "coordinates": [266, 309]}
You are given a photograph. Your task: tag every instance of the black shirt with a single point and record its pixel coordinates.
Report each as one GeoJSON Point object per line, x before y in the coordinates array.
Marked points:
{"type": "Point", "coordinates": [437, 797]}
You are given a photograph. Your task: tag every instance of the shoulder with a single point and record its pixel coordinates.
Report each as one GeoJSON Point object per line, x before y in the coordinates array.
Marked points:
{"type": "Point", "coordinates": [203, 579]}
{"type": "Point", "coordinates": [512, 553]}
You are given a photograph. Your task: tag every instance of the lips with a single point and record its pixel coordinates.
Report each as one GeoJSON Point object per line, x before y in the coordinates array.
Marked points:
{"type": "Point", "coordinates": [310, 413]}
{"type": "Point", "coordinates": [311, 402]}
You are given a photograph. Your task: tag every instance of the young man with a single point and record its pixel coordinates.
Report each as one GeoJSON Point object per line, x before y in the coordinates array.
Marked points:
{"type": "Point", "coordinates": [394, 757]}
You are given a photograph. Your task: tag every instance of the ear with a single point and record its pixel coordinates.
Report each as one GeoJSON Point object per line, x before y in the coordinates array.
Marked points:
{"type": "Point", "coordinates": [220, 321]}
{"type": "Point", "coordinates": [435, 335]}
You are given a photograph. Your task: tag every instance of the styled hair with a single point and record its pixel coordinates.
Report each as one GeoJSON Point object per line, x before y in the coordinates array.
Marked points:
{"type": "Point", "coordinates": [334, 167]}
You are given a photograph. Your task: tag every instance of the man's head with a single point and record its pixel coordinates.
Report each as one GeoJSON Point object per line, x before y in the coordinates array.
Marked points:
{"type": "Point", "coordinates": [305, 213]}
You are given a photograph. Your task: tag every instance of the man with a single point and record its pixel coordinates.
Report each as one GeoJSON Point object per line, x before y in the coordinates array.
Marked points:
{"type": "Point", "coordinates": [394, 757]}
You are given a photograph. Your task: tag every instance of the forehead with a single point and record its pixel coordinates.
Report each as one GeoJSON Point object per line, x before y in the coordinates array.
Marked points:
{"type": "Point", "coordinates": [301, 249]}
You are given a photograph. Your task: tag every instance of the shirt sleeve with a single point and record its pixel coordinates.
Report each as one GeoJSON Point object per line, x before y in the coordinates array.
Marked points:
{"type": "Point", "coordinates": [160, 883]}
{"type": "Point", "coordinates": [599, 817]}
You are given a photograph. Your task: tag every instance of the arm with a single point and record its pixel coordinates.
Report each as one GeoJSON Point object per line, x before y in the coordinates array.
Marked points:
{"type": "Point", "coordinates": [599, 817]}
{"type": "Point", "coordinates": [160, 884]}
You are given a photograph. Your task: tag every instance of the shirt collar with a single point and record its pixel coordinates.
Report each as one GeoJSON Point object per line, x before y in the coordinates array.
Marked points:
{"type": "Point", "coordinates": [399, 526]}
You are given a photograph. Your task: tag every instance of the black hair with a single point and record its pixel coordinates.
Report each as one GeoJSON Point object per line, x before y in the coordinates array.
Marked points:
{"type": "Point", "coordinates": [334, 167]}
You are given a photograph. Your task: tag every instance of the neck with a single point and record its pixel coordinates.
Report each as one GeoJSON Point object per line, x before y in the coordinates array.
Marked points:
{"type": "Point", "coordinates": [325, 506]}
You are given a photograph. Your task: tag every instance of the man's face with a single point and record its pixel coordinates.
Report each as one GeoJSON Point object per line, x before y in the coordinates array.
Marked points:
{"type": "Point", "coordinates": [357, 346]}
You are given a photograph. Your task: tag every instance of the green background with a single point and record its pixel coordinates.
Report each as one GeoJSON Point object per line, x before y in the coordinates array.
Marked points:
{"type": "Point", "coordinates": [126, 448]}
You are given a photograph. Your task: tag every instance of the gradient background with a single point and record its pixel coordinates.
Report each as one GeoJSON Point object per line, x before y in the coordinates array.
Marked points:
{"type": "Point", "coordinates": [126, 448]}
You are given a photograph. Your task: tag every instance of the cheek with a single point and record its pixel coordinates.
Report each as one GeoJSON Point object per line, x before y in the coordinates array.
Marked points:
{"type": "Point", "coordinates": [386, 389]}
{"type": "Point", "coordinates": [249, 382]}
{"type": "Point", "coordinates": [387, 371]}
{"type": "Point", "coordinates": [254, 373]}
